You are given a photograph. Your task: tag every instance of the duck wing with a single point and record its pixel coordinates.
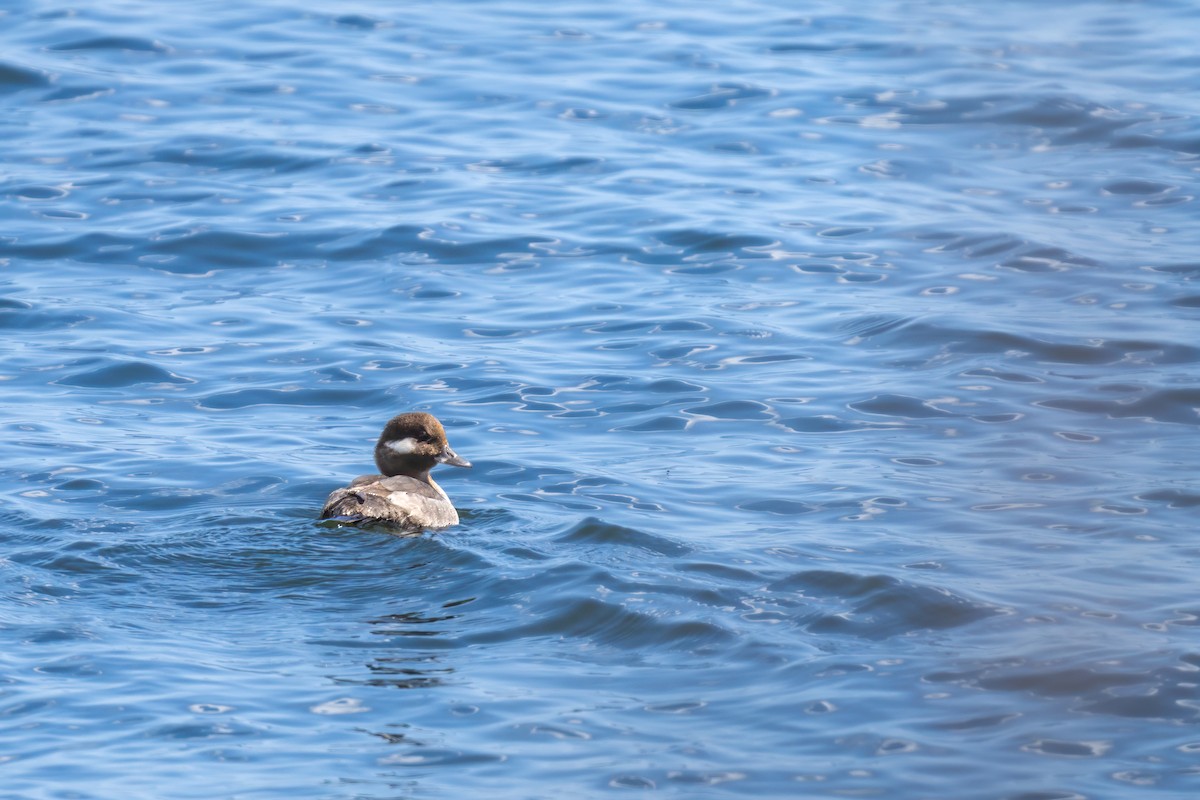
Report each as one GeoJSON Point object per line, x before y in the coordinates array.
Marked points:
{"type": "Point", "coordinates": [399, 501]}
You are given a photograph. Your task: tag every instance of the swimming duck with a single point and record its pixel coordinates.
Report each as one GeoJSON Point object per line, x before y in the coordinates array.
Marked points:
{"type": "Point", "coordinates": [403, 496]}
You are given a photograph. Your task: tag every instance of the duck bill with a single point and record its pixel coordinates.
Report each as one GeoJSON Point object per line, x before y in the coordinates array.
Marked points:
{"type": "Point", "coordinates": [452, 458]}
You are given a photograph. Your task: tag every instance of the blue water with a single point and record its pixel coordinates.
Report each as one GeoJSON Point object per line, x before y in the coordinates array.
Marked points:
{"type": "Point", "coordinates": [831, 374]}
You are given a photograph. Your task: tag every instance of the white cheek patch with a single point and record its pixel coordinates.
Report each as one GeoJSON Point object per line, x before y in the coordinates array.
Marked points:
{"type": "Point", "coordinates": [402, 446]}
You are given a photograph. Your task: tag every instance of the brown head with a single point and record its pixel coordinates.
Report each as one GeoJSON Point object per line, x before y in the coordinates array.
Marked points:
{"type": "Point", "coordinates": [411, 444]}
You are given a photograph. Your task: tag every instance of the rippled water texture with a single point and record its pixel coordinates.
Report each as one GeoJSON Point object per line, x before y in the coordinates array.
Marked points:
{"type": "Point", "coordinates": [830, 372]}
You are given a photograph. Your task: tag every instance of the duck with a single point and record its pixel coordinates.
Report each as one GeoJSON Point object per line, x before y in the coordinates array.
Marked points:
{"type": "Point", "coordinates": [403, 495]}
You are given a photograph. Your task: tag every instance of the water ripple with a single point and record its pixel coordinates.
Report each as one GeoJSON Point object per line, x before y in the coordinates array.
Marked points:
{"type": "Point", "coordinates": [824, 376]}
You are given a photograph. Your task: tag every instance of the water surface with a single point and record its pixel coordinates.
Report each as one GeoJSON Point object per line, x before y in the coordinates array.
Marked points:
{"type": "Point", "coordinates": [830, 375]}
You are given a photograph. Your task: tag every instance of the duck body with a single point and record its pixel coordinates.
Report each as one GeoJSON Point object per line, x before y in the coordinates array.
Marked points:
{"type": "Point", "coordinates": [402, 495]}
